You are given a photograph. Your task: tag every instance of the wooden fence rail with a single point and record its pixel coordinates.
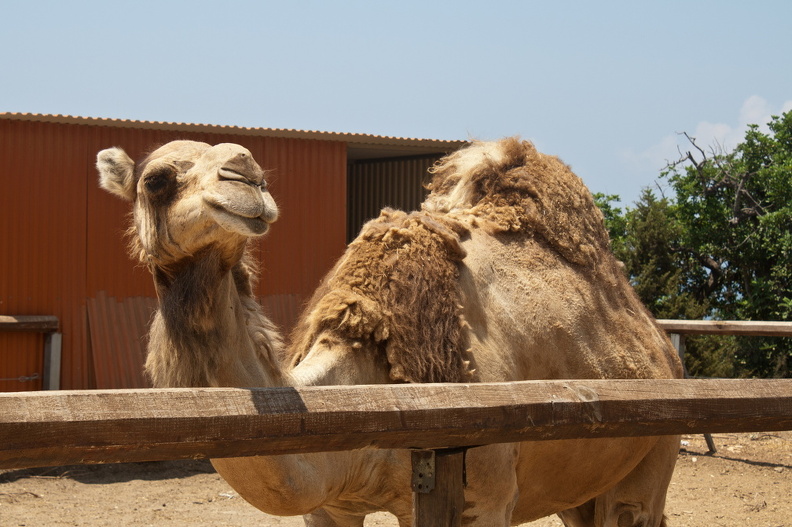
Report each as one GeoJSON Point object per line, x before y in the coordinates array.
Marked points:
{"type": "Point", "coordinates": [727, 327]}
{"type": "Point", "coordinates": [678, 329]}
{"type": "Point", "coordinates": [56, 428]}
{"type": "Point", "coordinates": [32, 323]}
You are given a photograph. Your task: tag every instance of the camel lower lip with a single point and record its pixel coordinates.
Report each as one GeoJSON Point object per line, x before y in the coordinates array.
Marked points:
{"type": "Point", "coordinates": [254, 225]}
{"type": "Point", "coordinates": [257, 225]}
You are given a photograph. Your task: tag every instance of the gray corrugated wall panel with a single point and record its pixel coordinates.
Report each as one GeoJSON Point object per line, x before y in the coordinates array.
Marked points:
{"type": "Point", "coordinates": [395, 183]}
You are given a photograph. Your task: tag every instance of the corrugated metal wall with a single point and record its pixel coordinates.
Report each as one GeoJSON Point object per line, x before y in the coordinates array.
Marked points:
{"type": "Point", "coordinates": [62, 250]}
{"type": "Point", "coordinates": [21, 361]}
{"type": "Point", "coordinates": [378, 183]}
{"type": "Point", "coordinates": [42, 244]}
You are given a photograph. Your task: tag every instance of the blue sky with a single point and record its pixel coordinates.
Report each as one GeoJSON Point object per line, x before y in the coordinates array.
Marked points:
{"type": "Point", "coordinates": [607, 86]}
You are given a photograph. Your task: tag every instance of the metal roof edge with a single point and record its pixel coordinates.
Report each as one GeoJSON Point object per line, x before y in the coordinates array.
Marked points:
{"type": "Point", "coordinates": [289, 133]}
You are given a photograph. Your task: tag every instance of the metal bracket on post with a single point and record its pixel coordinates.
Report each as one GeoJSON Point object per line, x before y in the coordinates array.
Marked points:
{"type": "Point", "coordinates": [438, 484]}
{"type": "Point", "coordinates": [423, 471]}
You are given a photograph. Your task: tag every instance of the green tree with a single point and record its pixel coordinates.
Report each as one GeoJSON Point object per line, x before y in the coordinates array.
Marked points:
{"type": "Point", "coordinates": [615, 220]}
{"type": "Point", "coordinates": [721, 248]}
{"type": "Point", "coordinates": [735, 210]}
{"type": "Point", "coordinates": [646, 239]}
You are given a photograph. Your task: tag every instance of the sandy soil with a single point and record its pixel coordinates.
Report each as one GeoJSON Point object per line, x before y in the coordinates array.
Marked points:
{"type": "Point", "coordinates": [747, 483]}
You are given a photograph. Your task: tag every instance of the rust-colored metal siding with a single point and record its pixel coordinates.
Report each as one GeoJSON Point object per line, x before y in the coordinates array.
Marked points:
{"type": "Point", "coordinates": [117, 329]}
{"type": "Point", "coordinates": [63, 252]}
{"type": "Point", "coordinates": [42, 242]}
{"type": "Point", "coordinates": [379, 183]}
{"type": "Point", "coordinates": [21, 361]}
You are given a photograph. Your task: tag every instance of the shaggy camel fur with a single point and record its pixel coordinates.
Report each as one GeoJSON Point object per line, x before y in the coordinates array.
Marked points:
{"type": "Point", "coordinates": [505, 275]}
{"type": "Point", "coordinates": [386, 288]}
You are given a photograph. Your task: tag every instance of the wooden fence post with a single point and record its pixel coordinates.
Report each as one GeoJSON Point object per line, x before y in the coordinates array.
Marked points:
{"type": "Point", "coordinates": [438, 487]}
{"type": "Point", "coordinates": [52, 361]}
{"type": "Point", "coordinates": [678, 340]}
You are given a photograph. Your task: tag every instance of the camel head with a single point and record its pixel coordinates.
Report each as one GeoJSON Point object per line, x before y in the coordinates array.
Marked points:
{"type": "Point", "coordinates": [389, 311]}
{"type": "Point", "coordinates": [189, 196]}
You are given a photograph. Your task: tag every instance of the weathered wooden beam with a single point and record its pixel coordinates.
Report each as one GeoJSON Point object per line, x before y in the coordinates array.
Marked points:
{"type": "Point", "coordinates": [56, 428]}
{"type": "Point", "coordinates": [30, 323]}
{"type": "Point", "coordinates": [727, 327]}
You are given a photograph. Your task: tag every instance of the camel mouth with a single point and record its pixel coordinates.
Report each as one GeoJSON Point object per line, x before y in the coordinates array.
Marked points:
{"type": "Point", "coordinates": [229, 174]}
{"type": "Point", "coordinates": [233, 222]}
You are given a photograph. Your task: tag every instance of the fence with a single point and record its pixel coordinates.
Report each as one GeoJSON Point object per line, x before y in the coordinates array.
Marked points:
{"type": "Point", "coordinates": [436, 421]}
{"type": "Point", "coordinates": [727, 327]}
{"type": "Point", "coordinates": [56, 428]}
{"type": "Point", "coordinates": [50, 327]}
{"type": "Point", "coordinates": [678, 329]}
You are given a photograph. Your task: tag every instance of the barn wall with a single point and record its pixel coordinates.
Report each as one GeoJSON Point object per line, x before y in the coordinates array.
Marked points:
{"type": "Point", "coordinates": [42, 245]}
{"type": "Point", "coordinates": [63, 251]}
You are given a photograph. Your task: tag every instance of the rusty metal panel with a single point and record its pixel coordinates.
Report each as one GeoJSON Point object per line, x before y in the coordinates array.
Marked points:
{"type": "Point", "coordinates": [21, 361]}
{"type": "Point", "coordinates": [379, 183]}
{"type": "Point", "coordinates": [42, 236]}
{"type": "Point", "coordinates": [309, 185]}
{"type": "Point", "coordinates": [361, 146]}
{"type": "Point", "coordinates": [118, 329]}
{"type": "Point", "coordinates": [283, 310]}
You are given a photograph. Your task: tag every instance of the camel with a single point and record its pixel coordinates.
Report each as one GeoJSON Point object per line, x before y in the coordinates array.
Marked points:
{"type": "Point", "coordinates": [504, 275]}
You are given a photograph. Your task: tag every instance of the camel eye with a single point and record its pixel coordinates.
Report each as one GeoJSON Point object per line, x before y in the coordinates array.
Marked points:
{"type": "Point", "coordinates": [157, 181]}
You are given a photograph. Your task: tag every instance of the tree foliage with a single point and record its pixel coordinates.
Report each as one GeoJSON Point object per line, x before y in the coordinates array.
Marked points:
{"type": "Point", "coordinates": [721, 248]}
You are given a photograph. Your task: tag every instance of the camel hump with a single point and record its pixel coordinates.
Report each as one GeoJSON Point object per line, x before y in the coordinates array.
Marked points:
{"type": "Point", "coordinates": [508, 186]}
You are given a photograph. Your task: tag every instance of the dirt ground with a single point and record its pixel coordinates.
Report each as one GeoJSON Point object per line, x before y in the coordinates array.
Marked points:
{"type": "Point", "coordinates": [747, 483]}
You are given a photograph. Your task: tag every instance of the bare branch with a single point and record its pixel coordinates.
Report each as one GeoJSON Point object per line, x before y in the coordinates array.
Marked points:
{"type": "Point", "coordinates": [692, 141]}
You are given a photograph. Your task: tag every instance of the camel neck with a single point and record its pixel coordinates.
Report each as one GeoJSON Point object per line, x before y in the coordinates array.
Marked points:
{"type": "Point", "coordinates": [209, 331]}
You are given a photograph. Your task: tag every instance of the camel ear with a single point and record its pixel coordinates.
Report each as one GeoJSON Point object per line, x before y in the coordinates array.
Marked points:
{"type": "Point", "coordinates": [116, 173]}
{"type": "Point", "coordinates": [353, 315]}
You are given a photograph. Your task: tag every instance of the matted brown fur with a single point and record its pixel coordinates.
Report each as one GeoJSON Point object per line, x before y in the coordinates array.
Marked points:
{"type": "Point", "coordinates": [510, 186]}
{"type": "Point", "coordinates": [396, 287]}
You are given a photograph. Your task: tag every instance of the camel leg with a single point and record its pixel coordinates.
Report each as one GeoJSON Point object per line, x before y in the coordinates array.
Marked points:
{"type": "Point", "coordinates": [492, 478]}
{"type": "Point", "coordinates": [580, 516]}
{"type": "Point", "coordinates": [638, 500]}
{"type": "Point", "coordinates": [321, 518]}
